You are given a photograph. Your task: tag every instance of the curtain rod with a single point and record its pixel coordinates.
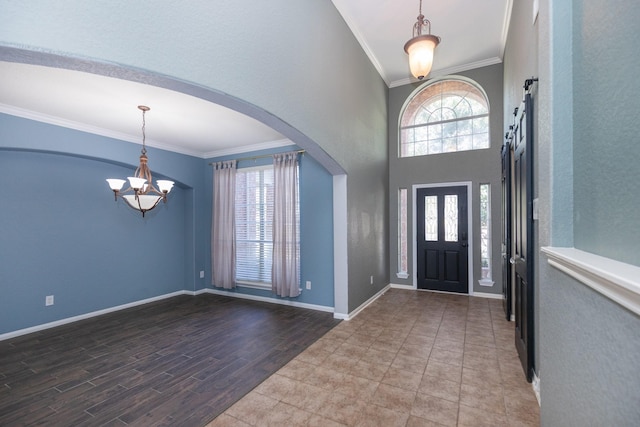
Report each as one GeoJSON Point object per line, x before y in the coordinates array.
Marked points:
{"type": "Point", "coordinates": [259, 157]}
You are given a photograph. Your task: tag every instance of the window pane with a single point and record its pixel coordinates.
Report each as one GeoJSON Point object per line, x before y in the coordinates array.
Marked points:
{"type": "Point", "coordinates": [463, 109]}
{"type": "Point", "coordinates": [435, 131]}
{"type": "Point", "coordinates": [254, 219]}
{"type": "Point", "coordinates": [465, 127]}
{"type": "Point", "coordinates": [485, 230]}
{"type": "Point", "coordinates": [480, 124]}
{"type": "Point", "coordinates": [451, 217]}
{"type": "Point", "coordinates": [449, 129]}
{"type": "Point", "coordinates": [431, 218]}
{"type": "Point", "coordinates": [465, 143]}
{"type": "Point", "coordinates": [449, 145]}
{"type": "Point", "coordinates": [447, 107]}
{"type": "Point", "coordinates": [402, 230]}
{"type": "Point", "coordinates": [435, 146]}
{"type": "Point", "coordinates": [480, 141]}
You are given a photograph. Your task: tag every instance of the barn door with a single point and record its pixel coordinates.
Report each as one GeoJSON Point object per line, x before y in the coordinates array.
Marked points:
{"type": "Point", "coordinates": [522, 257]}
{"type": "Point", "coordinates": [506, 228]}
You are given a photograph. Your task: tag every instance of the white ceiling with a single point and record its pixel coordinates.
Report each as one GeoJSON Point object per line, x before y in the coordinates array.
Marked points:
{"type": "Point", "coordinates": [473, 34]}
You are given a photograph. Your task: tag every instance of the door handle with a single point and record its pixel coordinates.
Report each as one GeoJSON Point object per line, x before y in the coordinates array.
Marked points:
{"type": "Point", "coordinates": [513, 260]}
{"type": "Point", "coordinates": [464, 245]}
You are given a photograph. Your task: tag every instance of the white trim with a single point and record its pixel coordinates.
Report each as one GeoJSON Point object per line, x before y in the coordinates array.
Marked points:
{"type": "Point", "coordinates": [414, 190]}
{"type": "Point", "coordinates": [248, 148]}
{"type": "Point", "coordinates": [535, 384]}
{"type": "Point", "coordinates": [446, 71]}
{"type": "Point", "coordinates": [135, 139]}
{"type": "Point", "coordinates": [340, 247]}
{"type": "Point", "coordinates": [270, 300]}
{"type": "Point", "coordinates": [351, 23]}
{"type": "Point", "coordinates": [505, 27]}
{"type": "Point", "coordinates": [487, 295]}
{"type": "Point", "coordinates": [61, 322]}
{"type": "Point", "coordinates": [405, 287]}
{"type": "Point", "coordinates": [402, 275]}
{"type": "Point", "coordinates": [364, 305]}
{"type": "Point", "coordinates": [616, 280]}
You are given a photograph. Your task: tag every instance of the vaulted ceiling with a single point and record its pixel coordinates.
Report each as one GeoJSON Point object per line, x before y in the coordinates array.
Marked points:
{"type": "Point", "coordinates": [473, 34]}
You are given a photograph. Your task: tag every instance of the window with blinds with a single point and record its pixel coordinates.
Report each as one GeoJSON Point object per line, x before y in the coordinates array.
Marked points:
{"type": "Point", "coordinates": [254, 218]}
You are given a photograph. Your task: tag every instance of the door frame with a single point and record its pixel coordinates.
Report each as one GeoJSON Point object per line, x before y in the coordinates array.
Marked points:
{"type": "Point", "coordinates": [414, 219]}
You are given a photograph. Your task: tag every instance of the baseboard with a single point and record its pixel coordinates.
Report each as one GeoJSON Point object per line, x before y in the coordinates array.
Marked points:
{"type": "Point", "coordinates": [535, 384]}
{"type": "Point", "coordinates": [486, 295]}
{"type": "Point", "coordinates": [364, 305]}
{"type": "Point", "coordinates": [72, 319]}
{"type": "Point", "coordinates": [270, 300]}
{"type": "Point", "coordinates": [405, 287]}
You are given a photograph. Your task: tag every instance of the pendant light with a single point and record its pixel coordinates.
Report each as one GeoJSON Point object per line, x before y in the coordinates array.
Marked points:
{"type": "Point", "coordinates": [421, 46]}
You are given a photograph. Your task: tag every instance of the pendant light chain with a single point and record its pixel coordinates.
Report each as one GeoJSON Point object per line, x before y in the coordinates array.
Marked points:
{"type": "Point", "coordinates": [144, 125]}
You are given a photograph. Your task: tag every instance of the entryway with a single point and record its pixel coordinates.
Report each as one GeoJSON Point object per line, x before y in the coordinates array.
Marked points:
{"type": "Point", "coordinates": [442, 238]}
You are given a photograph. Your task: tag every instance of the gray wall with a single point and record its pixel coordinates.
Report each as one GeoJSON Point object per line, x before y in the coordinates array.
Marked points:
{"type": "Point", "coordinates": [478, 166]}
{"type": "Point", "coordinates": [307, 78]}
{"type": "Point", "coordinates": [587, 62]}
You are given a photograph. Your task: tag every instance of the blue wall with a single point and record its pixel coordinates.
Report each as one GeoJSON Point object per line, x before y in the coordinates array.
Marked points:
{"type": "Point", "coordinates": [62, 233]}
{"type": "Point", "coordinates": [316, 228]}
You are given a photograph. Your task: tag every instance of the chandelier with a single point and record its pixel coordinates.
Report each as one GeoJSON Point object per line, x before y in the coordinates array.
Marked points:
{"type": "Point", "coordinates": [421, 46]}
{"type": "Point", "coordinates": [141, 194]}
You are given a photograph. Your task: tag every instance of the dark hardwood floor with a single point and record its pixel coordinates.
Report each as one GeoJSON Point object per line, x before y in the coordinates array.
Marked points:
{"type": "Point", "coordinates": [180, 361]}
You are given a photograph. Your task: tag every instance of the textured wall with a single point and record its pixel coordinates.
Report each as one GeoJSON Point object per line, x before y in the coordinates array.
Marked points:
{"type": "Point", "coordinates": [606, 129]}
{"type": "Point", "coordinates": [588, 345]}
{"type": "Point", "coordinates": [293, 65]}
{"type": "Point", "coordinates": [479, 166]}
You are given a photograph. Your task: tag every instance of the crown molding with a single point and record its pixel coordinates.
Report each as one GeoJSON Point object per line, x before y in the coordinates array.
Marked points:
{"type": "Point", "coordinates": [135, 139]}
{"type": "Point", "coordinates": [249, 148]}
{"type": "Point", "coordinates": [95, 130]}
{"type": "Point", "coordinates": [361, 40]}
{"type": "Point", "coordinates": [451, 70]}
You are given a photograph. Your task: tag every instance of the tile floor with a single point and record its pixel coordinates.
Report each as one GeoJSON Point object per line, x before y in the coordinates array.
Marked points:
{"type": "Point", "coordinates": [409, 359]}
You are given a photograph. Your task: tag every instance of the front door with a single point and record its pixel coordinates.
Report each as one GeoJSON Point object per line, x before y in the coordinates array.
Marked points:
{"type": "Point", "coordinates": [522, 258]}
{"type": "Point", "coordinates": [442, 239]}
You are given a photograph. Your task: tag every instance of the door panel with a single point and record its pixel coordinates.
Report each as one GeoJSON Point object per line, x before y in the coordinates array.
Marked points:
{"type": "Point", "coordinates": [523, 235]}
{"type": "Point", "coordinates": [506, 227]}
{"type": "Point", "coordinates": [441, 237]}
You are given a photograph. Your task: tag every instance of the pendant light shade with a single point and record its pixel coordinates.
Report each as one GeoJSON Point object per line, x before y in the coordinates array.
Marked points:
{"type": "Point", "coordinates": [421, 47]}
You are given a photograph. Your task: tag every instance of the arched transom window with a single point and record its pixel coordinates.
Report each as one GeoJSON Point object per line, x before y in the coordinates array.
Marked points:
{"type": "Point", "coordinates": [444, 117]}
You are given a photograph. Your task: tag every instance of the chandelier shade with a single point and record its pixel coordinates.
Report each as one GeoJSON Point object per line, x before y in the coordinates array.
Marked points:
{"type": "Point", "coordinates": [141, 195]}
{"type": "Point", "coordinates": [421, 47]}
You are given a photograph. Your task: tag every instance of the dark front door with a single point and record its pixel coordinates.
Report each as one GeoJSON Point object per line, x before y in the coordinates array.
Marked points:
{"type": "Point", "coordinates": [506, 228]}
{"type": "Point", "coordinates": [522, 258]}
{"type": "Point", "coordinates": [442, 239]}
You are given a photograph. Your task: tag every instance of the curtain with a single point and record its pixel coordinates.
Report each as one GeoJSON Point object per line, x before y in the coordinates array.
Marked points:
{"type": "Point", "coordinates": [284, 273]}
{"type": "Point", "coordinates": [223, 230]}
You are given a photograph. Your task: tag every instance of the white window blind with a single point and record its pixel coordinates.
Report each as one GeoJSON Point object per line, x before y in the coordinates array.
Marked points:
{"type": "Point", "coordinates": [254, 218]}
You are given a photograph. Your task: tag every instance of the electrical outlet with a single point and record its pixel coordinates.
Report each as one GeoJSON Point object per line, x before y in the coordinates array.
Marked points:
{"type": "Point", "coordinates": [371, 280]}
{"type": "Point", "coordinates": [48, 300]}
{"type": "Point", "coordinates": [202, 274]}
{"type": "Point", "coordinates": [308, 284]}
